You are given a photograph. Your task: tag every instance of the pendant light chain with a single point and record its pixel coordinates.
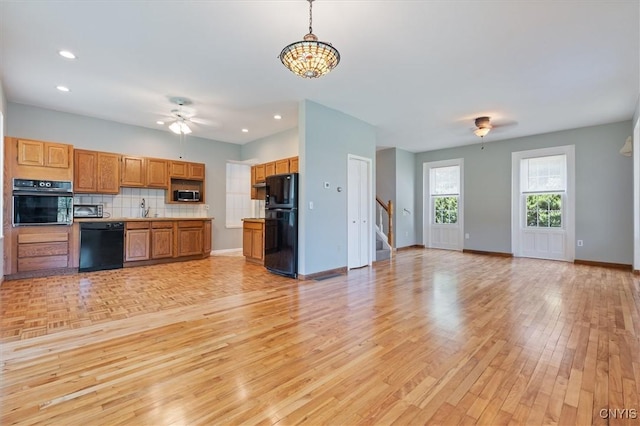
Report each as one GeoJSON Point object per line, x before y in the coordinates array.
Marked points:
{"type": "Point", "coordinates": [310, 20]}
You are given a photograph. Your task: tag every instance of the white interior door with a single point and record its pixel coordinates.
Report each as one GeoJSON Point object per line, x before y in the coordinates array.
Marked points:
{"type": "Point", "coordinates": [359, 198]}
{"type": "Point", "coordinates": [443, 219]}
{"type": "Point", "coordinates": [543, 203]}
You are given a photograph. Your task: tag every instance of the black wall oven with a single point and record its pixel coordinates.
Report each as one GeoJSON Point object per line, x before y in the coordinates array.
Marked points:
{"type": "Point", "coordinates": [42, 202]}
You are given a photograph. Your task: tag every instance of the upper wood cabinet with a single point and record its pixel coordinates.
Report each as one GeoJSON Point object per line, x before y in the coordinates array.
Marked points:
{"type": "Point", "coordinates": [186, 170]}
{"type": "Point", "coordinates": [260, 173]}
{"type": "Point", "coordinates": [44, 154]}
{"type": "Point", "coordinates": [282, 166]}
{"type": "Point", "coordinates": [144, 172]}
{"type": "Point", "coordinates": [270, 168]}
{"type": "Point", "coordinates": [132, 172]}
{"type": "Point", "coordinates": [156, 170]}
{"type": "Point", "coordinates": [293, 165]}
{"type": "Point", "coordinates": [96, 172]}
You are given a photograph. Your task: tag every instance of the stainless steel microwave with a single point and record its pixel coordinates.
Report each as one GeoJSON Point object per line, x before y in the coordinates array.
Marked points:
{"type": "Point", "coordinates": [186, 195]}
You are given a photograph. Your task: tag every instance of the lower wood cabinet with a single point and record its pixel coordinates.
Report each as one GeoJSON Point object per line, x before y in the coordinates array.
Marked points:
{"type": "Point", "coordinates": [161, 240]}
{"type": "Point", "coordinates": [190, 237]}
{"type": "Point", "coordinates": [253, 240]}
{"type": "Point", "coordinates": [137, 241]}
{"type": "Point", "coordinates": [42, 248]}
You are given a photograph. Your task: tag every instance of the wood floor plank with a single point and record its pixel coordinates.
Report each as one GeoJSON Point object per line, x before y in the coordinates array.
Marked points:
{"type": "Point", "coordinates": [429, 337]}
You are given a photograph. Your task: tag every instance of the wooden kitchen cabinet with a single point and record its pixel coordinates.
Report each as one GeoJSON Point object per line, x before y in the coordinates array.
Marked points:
{"type": "Point", "coordinates": [282, 166]}
{"type": "Point", "coordinates": [270, 169]}
{"type": "Point", "coordinates": [293, 165]}
{"type": "Point", "coordinates": [44, 154]}
{"type": "Point", "coordinates": [144, 172]}
{"type": "Point", "coordinates": [253, 240]}
{"type": "Point", "coordinates": [260, 173]}
{"type": "Point", "coordinates": [132, 172]}
{"type": "Point", "coordinates": [41, 248]}
{"type": "Point", "coordinates": [161, 240]}
{"type": "Point", "coordinates": [137, 242]}
{"type": "Point", "coordinates": [190, 237]}
{"type": "Point", "coordinates": [186, 170]}
{"type": "Point", "coordinates": [208, 238]}
{"type": "Point", "coordinates": [96, 172]}
{"type": "Point", "coordinates": [156, 173]}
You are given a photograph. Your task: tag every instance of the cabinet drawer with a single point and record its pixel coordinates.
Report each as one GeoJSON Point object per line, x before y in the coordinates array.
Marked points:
{"type": "Point", "coordinates": [138, 225]}
{"type": "Point", "coordinates": [42, 249]}
{"type": "Point", "coordinates": [190, 224]}
{"type": "Point", "coordinates": [162, 224]}
{"type": "Point", "coordinates": [43, 237]}
{"type": "Point", "coordinates": [44, 262]}
{"type": "Point", "coordinates": [253, 225]}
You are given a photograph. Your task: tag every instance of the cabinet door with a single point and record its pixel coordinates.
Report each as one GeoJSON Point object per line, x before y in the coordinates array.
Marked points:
{"type": "Point", "coordinates": [132, 171]}
{"type": "Point", "coordinates": [247, 242]}
{"type": "Point", "coordinates": [56, 155]}
{"type": "Point", "coordinates": [254, 191]}
{"type": "Point", "coordinates": [282, 166]}
{"type": "Point", "coordinates": [108, 177]}
{"type": "Point", "coordinates": [257, 244]}
{"type": "Point", "coordinates": [270, 168]}
{"type": "Point", "coordinates": [156, 173]}
{"type": "Point", "coordinates": [293, 165]}
{"type": "Point", "coordinates": [260, 175]}
{"type": "Point", "coordinates": [207, 238]}
{"type": "Point", "coordinates": [136, 245]}
{"type": "Point", "coordinates": [84, 171]}
{"type": "Point", "coordinates": [189, 241]}
{"type": "Point", "coordinates": [161, 243]}
{"type": "Point", "coordinates": [196, 171]}
{"type": "Point", "coordinates": [178, 169]}
{"type": "Point", "coordinates": [30, 153]}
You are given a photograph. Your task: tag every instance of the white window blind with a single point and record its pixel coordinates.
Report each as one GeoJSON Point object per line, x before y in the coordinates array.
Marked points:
{"type": "Point", "coordinates": [544, 174]}
{"type": "Point", "coordinates": [238, 194]}
{"type": "Point", "coordinates": [445, 180]}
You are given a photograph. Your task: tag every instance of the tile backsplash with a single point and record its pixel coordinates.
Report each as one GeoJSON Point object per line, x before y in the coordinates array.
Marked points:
{"type": "Point", "coordinates": [127, 204]}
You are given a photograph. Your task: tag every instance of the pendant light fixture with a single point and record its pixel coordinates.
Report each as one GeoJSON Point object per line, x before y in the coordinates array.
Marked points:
{"type": "Point", "coordinates": [310, 58]}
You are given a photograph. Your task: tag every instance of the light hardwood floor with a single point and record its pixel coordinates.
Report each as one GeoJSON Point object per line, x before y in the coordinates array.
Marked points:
{"type": "Point", "coordinates": [431, 337]}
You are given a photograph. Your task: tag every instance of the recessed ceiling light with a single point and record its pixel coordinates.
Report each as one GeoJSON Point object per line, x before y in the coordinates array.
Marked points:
{"type": "Point", "coordinates": [66, 54]}
{"type": "Point", "coordinates": [245, 130]}
{"type": "Point", "coordinates": [160, 122]}
{"type": "Point", "coordinates": [277, 116]}
{"type": "Point", "coordinates": [63, 88]}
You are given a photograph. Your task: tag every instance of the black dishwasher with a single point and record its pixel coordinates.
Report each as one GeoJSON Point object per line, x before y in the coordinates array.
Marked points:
{"type": "Point", "coordinates": [101, 245]}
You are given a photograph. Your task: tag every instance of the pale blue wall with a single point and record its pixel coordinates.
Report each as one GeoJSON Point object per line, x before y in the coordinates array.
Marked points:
{"type": "Point", "coordinates": [604, 196]}
{"type": "Point", "coordinates": [270, 148]}
{"type": "Point", "coordinates": [327, 137]}
{"type": "Point", "coordinates": [95, 134]}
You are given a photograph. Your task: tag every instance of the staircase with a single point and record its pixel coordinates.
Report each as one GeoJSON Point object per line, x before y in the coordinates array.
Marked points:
{"type": "Point", "coordinates": [383, 249]}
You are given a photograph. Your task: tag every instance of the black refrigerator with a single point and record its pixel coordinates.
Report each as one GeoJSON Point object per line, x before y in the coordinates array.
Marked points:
{"type": "Point", "coordinates": [281, 224]}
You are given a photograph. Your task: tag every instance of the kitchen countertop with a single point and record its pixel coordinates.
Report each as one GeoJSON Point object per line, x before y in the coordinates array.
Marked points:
{"type": "Point", "coordinates": [253, 219]}
{"type": "Point", "coordinates": [136, 219]}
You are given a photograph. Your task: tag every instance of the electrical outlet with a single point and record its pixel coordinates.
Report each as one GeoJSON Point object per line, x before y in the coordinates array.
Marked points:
{"type": "Point", "coordinates": [206, 206]}
{"type": "Point", "coordinates": [326, 185]}
{"type": "Point", "coordinates": [580, 243]}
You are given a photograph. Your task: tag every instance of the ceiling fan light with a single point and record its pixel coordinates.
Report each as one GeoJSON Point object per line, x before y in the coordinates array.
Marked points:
{"type": "Point", "coordinates": [179, 127]}
{"type": "Point", "coordinates": [482, 131]}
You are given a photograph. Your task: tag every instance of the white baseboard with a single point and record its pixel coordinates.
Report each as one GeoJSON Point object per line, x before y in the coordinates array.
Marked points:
{"type": "Point", "coordinates": [227, 252]}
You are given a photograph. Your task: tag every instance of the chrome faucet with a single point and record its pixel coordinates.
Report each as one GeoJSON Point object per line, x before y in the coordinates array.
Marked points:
{"type": "Point", "coordinates": [144, 212]}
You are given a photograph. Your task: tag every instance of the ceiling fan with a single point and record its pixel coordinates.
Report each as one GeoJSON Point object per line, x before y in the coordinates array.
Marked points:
{"type": "Point", "coordinates": [182, 117]}
{"type": "Point", "coordinates": [484, 125]}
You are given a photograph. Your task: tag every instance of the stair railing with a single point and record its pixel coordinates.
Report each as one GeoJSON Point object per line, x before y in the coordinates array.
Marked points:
{"type": "Point", "coordinates": [385, 216]}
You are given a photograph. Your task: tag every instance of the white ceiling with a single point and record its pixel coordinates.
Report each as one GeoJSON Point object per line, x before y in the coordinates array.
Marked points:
{"type": "Point", "coordinates": [420, 71]}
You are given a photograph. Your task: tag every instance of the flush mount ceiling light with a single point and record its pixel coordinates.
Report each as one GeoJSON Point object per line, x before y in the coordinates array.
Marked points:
{"type": "Point", "coordinates": [483, 125]}
{"type": "Point", "coordinates": [310, 58]}
{"type": "Point", "coordinates": [66, 54]}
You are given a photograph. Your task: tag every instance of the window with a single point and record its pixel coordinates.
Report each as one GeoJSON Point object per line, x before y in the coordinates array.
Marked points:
{"type": "Point", "coordinates": [445, 192]}
{"type": "Point", "coordinates": [543, 184]}
{"type": "Point", "coordinates": [238, 194]}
